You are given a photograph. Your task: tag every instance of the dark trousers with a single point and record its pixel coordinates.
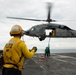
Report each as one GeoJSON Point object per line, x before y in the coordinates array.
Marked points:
{"type": "Point", "coordinates": [47, 54]}
{"type": "Point", "coordinates": [11, 71]}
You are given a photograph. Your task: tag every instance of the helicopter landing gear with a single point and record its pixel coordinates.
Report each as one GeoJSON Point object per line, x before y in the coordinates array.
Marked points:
{"type": "Point", "coordinates": [41, 38]}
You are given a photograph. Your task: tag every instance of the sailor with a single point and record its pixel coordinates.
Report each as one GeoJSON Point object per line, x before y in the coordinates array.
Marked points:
{"type": "Point", "coordinates": [47, 51]}
{"type": "Point", "coordinates": [10, 67]}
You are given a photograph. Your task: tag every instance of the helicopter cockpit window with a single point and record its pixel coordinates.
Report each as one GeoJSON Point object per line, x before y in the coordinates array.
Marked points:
{"type": "Point", "coordinates": [32, 29]}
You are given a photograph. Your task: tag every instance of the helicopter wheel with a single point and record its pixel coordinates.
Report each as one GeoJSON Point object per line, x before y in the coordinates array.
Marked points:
{"type": "Point", "coordinates": [41, 38]}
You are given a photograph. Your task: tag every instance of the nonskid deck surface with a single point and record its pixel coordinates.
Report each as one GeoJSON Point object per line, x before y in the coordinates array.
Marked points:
{"type": "Point", "coordinates": [56, 64]}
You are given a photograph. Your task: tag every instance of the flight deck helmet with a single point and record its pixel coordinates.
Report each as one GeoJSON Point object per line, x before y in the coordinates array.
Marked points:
{"type": "Point", "coordinates": [16, 30]}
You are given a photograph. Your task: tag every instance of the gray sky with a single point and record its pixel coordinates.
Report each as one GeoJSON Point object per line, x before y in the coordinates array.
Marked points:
{"type": "Point", "coordinates": [62, 9]}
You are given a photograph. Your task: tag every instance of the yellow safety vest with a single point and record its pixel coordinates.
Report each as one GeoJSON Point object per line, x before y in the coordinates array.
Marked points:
{"type": "Point", "coordinates": [15, 44]}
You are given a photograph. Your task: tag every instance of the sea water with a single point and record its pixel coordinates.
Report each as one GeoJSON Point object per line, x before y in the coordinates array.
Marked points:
{"type": "Point", "coordinates": [57, 51]}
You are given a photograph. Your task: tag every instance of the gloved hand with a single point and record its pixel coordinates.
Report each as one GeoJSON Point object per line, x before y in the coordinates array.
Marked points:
{"type": "Point", "coordinates": [35, 48]}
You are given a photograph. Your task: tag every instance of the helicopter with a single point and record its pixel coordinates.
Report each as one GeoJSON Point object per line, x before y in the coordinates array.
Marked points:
{"type": "Point", "coordinates": [56, 30]}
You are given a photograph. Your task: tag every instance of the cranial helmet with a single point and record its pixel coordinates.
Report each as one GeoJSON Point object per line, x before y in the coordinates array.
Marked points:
{"type": "Point", "coordinates": [16, 30]}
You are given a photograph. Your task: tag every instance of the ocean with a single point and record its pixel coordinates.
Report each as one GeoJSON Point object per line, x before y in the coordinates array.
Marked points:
{"type": "Point", "coordinates": [58, 51]}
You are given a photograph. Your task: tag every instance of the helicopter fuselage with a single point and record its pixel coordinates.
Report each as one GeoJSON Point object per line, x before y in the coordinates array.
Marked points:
{"type": "Point", "coordinates": [58, 30]}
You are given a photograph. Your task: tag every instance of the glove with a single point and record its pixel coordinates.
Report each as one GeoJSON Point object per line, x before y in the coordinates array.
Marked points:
{"type": "Point", "coordinates": [35, 48]}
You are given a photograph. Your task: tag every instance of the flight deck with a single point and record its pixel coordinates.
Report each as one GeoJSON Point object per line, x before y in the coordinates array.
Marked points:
{"type": "Point", "coordinates": [56, 64]}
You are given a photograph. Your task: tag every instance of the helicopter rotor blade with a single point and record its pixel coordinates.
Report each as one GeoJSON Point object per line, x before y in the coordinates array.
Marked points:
{"type": "Point", "coordinates": [66, 20]}
{"type": "Point", "coordinates": [49, 19]}
{"type": "Point", "coordinates": [25, 19]}
{"type": "Point", "coordinates": [49, 10]}
{"type": "Point", "coordinates": [49, 7]}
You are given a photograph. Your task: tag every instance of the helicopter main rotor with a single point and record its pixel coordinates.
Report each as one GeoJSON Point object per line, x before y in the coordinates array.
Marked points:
{"type": "Point", "coordinates": [49, 7]}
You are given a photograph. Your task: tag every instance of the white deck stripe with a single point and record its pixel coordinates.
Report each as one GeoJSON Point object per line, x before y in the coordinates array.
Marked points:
{"type": "Point", "coordinates": [64, 60]}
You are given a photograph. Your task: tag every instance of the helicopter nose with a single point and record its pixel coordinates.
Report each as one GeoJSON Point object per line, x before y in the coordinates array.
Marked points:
{"type": "Point", "coordinates": [26, 32]}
